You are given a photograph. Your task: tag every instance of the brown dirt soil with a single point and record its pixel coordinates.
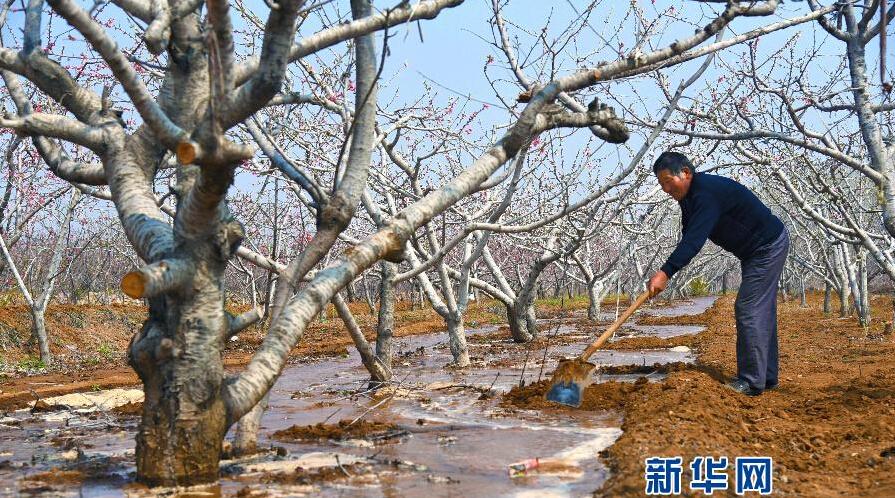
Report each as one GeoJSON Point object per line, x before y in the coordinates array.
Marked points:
{"type": "Point", "coordinates": [629, 343]}
{"type": "Point", "coordinates": [129, 409]}
{"type": "Point", "coordinates": [57, 476]}
{"type": "Point", "coordinates": [605, 396]}
{"type": "Point", "coordinates": [89, 344]}
{"type": "Point", "coordinates": [830, 427]}
{"type": "Point", "coordinates": [340, 431]}
{"type": "Point", "coordinates": [17, 393]}
{"type": "Point", "coordinates": [700, 319]}
{"type": "Point", "coordinates": [319, 475]}
{"type": "Point", "coordinates": [84, 334]}
{"type": "Point", "coordinates": [660, 368]}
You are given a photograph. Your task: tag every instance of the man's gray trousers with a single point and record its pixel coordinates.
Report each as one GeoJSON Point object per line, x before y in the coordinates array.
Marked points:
{"type": "Point", "coordinates": [756, 314]}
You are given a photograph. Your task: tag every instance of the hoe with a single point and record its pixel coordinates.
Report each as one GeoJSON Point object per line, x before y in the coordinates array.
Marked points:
{"type": "Point", "coordinates": [573, 375]}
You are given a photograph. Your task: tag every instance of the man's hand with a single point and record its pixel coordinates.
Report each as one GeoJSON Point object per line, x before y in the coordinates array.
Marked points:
{"type": "Point", "coordinates": [657, 283]}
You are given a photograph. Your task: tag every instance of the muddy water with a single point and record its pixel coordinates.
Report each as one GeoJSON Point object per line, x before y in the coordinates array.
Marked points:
{"type": "Point", "coordinates": [452, 437]}
{"type": "Point", "coordinates": [692, 306]}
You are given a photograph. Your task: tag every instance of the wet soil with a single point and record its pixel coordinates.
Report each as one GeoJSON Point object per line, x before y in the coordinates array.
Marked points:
{"type": "Point", "coordinates": [830, 426]}
{"type": "Point", "coordinates": [96, 360]}
{"type": "Point", "coordinates": [604, 396]}
{"type": "Point", "coordinates": [57, 476]}
{"type": "Point", "coordinates": [445, 433]}
{"type": "Point", "coordinates": [319, 475]}
{"type": "Point", "coordinates": [640, 342]}
{"type": "Point", "coordinates": [128, 409]}
{"type": "Point", "coordinates": [345, 429]}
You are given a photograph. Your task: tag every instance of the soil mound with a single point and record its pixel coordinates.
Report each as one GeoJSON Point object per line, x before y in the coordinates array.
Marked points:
{"type": "Point", "coordinates": [129, 409]}
{"type": "Point", "coordinates": [829, 427]}
{"type": "Point", "coordinates": [341, 431]}
{"type": "Point", "coordinates": [605, 396]}
{"type": "Point", "coordinates": [318, 475]}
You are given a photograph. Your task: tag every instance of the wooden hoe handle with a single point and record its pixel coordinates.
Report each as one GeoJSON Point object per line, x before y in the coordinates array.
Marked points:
{"type": "Point", "coordinates": [612, 328]}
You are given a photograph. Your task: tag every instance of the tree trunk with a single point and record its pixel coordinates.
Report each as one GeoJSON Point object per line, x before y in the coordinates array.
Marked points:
{"type": "Point", "coordinates": [843, 301]}
{"type": "Point", "coordinates": [378, 372]}
{"type": "Point", "coordinates": [184, 419]}
{"type": "Point", "coordinates": [39, 305]}
{"type": "Point", "coordinates": [518, 327]}
{"type": "Point", "coordinates": [785, 287]}
{"type": "Point", "coordinates": [386, 323]}
{"type": "Point", "coordinates": [855, 289]}
{"type": "Point", "coordinates": [804, 302]}
{"type": "Point", "coordinates": [350, 293]}
{"type": "Point", "coordinates": [593, 309]}
{"type": "Point", "coordinates": [827, 289]}
{"type": "Point", "coordinates": [368, 297]}
{"type": "Point", "coordinates": [179, 443]}
{"type": "Point", "coordinates": [414, 304]}
{"type": "Point", "coordinates": [178, 356]}
{"type": "Point", "coordinates": [39, 334]}
{"type": "Point", "coordinates": [457, 341]}
{"type": "Point", "coordinates": [522, 320]}
{"type": "Point", "coordinates": [596, 292]}
{"type": "Point", "coordinates": [864, 297]}
{"type": "Point", "coordinates": [246, 438]}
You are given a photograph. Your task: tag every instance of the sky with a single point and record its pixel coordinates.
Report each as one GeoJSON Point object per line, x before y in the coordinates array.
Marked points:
{"type": "Point", "coordinates": [450, 52]}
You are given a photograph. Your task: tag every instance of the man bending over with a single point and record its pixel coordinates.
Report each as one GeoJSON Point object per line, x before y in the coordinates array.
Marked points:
{"type": "Point", "coordinates": [730, 215]}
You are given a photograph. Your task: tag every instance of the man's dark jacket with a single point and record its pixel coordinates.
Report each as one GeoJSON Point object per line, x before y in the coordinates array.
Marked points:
{"type": "Point", "coordinates": [725, 212]}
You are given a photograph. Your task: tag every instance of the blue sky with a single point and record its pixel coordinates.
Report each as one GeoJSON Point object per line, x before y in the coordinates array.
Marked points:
{"type": "Point", "coordinates": [455, 46]}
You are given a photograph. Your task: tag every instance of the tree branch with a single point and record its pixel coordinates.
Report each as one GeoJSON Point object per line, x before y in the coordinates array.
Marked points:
{"type": "Point", "coordinates": [168, 133]}
{"type": "Point", "coordinates": [163, 277]}
{"type": "Point", "coordinates": [267, 78]}
{"type": "Point", "coordinates": [426, 9]}
{"type": "Point", "coordinates": [56, 126]}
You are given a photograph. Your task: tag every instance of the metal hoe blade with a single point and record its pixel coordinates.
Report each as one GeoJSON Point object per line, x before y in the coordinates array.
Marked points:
{"type": "Point", "coordinates": [565, 393]}
{"type": "Point", "coordinates": [570, 379]}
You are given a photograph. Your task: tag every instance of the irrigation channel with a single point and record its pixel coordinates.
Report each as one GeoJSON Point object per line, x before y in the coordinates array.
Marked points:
{"type": "Point", "coordinates": [435, 432]}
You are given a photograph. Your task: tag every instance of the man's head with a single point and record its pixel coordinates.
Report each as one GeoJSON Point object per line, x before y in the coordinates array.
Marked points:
{"type": "Point", "coordinates": [674, 172]}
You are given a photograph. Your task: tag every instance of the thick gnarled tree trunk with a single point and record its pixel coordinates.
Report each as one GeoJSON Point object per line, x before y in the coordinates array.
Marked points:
{"type": "Point", "coordinates": [177, 355]}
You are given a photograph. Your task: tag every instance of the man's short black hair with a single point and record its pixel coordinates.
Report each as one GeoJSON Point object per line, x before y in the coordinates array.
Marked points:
{"type": "Point", "coordinates": [674, 162]}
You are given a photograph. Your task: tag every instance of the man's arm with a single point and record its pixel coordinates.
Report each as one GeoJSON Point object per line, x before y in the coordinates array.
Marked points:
{"type": "Point", "coordinates": [703, 219]}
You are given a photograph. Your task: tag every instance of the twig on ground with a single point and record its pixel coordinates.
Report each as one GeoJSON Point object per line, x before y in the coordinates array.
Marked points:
{"type": "Point", "coordinates": [388, 398]}
{"type": "Point", "coordinates": [494, 381]}
{"type": "Point", "coordinates": [524, 365]}
{"type": "Point", "coordinates": [331, 415]}
{"type": "Point", "coordinates": [544, 358]}
{"type": "Point", "coordinates": [389, 435]}
{"type": "Point", "coordinates": [342, 468]}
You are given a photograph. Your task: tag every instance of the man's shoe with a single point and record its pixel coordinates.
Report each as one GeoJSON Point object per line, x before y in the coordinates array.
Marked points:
{"type": "Point", "coordinates": [771, 387]}
{"type": "Point", "coordinates": [743, 387]}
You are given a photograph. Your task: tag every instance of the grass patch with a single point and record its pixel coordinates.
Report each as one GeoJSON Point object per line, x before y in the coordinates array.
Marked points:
{"type": "Point", "coordinates": [31, 363]}
{"type": "Point", "coordinates": [105, 350]}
